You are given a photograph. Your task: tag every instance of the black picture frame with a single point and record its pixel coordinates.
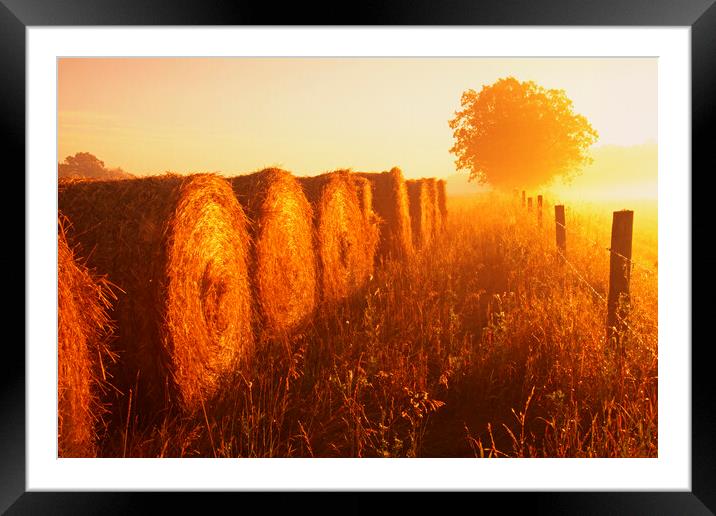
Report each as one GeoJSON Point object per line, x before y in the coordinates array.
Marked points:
{"type": "Point", "coordinates": [700, 15]}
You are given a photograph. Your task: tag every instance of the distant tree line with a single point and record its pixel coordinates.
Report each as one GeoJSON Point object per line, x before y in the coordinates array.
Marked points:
{"type": "Point", "coordinates": [84, 164]}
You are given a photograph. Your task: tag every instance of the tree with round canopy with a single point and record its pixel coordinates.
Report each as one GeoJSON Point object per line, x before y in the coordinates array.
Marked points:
{"type": "Point", "coordinates": [516, 134]}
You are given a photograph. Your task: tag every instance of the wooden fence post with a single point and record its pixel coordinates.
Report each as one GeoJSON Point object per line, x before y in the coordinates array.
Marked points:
{"type": "Point", "coordinates": [523, 198]}
{"type": "Point", "coordinates": [619, 275]}
{"type": "Point", "coordinates": [529, 204]}
{"type": "Point", "coordinates": [539, 210]}
{"type": "Point", "coordinates": [560, 227]}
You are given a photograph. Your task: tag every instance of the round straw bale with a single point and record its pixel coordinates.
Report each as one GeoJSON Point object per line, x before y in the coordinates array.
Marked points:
{"type": "Point", "coordinates": [343, 264]}
{"type": "Point", "coordinates": [433, 209]}
{"type": "Point", "coordinates": [364, 192]}
{"type": "Point", "coordinates": [284, 261]}
{"type": "Point", "coordinates": [390, 203]}
{"type": "Point", "coordinates": [83, 330]}
{"type": "Point", "coordinates": [177, 246]}
{"type": "Point", "coordinates": [442, 203]}
{"type": "Point", "coordinates": [371, 231]}
{"type": "Point", "coordinates": [419, 198]}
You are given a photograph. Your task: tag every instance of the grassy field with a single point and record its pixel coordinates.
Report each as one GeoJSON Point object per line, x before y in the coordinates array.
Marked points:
{"type": "Point", "coordinates": [483, 345]}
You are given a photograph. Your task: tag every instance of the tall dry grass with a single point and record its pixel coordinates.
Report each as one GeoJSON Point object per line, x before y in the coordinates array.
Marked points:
{"type": "Point", "coordinates": [490, 347]}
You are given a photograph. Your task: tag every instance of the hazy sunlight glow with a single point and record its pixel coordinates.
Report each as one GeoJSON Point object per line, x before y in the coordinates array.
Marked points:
{"type": "Point", "coordinates": [309, 115]}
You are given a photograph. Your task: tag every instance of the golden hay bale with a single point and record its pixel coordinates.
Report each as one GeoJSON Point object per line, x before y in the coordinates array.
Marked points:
{"type": "Point", "coordinates": [390, 203]}
{"type": "Point", "coordinates": [178, 248]}
{"type": "Point", "coordinates": [433, 209]}
{"type": "Point", "coordinates": [371, 222]}
{"type": "Point", "coordinates": [421, 218]}
{"type": "Point", "coordinates": [442, 203]}
{"type": "Point", "coordinates": [284, 261]}
{"type": "Point", "coordinates": [364, 192]}
{"type": "Point", "coordinates": [83, 330]}
{"type": "Point", "coordinates": [343, 263]}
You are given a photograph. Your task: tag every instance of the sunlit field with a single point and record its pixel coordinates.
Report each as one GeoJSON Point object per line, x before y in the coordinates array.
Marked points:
{"type": "Point", "coordinates": [484, 344]}
{"type": "Point", "coordinates": [357, 257]}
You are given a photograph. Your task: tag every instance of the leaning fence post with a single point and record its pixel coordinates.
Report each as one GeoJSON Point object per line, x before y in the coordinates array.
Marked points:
{"type": "Point", "coordinates": [523, 198]}
{"type": "Point", "coordinates": [560, 227]}
{"type": "Point", "coordinates": [529, 204]}
{"type": "Point", "coordinates": [619, 275]}
{"type": "Point", "coordinates": [539, 210]}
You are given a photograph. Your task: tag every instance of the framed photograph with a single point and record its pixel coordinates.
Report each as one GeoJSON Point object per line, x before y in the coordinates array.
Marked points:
{"type": "Point", "coordinates": [427, 249]}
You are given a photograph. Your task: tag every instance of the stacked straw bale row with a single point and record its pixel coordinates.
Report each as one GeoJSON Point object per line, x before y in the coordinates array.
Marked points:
{"type": "Point", "coordinates": [428, 209]}
{"type": "Point", "coordinates": [201, 263]}
{"type": "Point", "coordinates": [390, 203]}
{"type": "Point", "coordinates": [421, 214]}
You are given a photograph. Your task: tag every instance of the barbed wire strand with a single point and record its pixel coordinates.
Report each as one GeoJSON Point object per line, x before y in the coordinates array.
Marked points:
{"type": "Point", "coordinates": [580, 277]}
{"type": "Point", "coordinates": [575, 271]}
{"type": "Point", "coordinates": [635, 263]}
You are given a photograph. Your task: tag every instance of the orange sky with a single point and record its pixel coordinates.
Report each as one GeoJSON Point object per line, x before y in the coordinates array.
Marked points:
{"type": "Point", "coordinates": [310, 115]}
